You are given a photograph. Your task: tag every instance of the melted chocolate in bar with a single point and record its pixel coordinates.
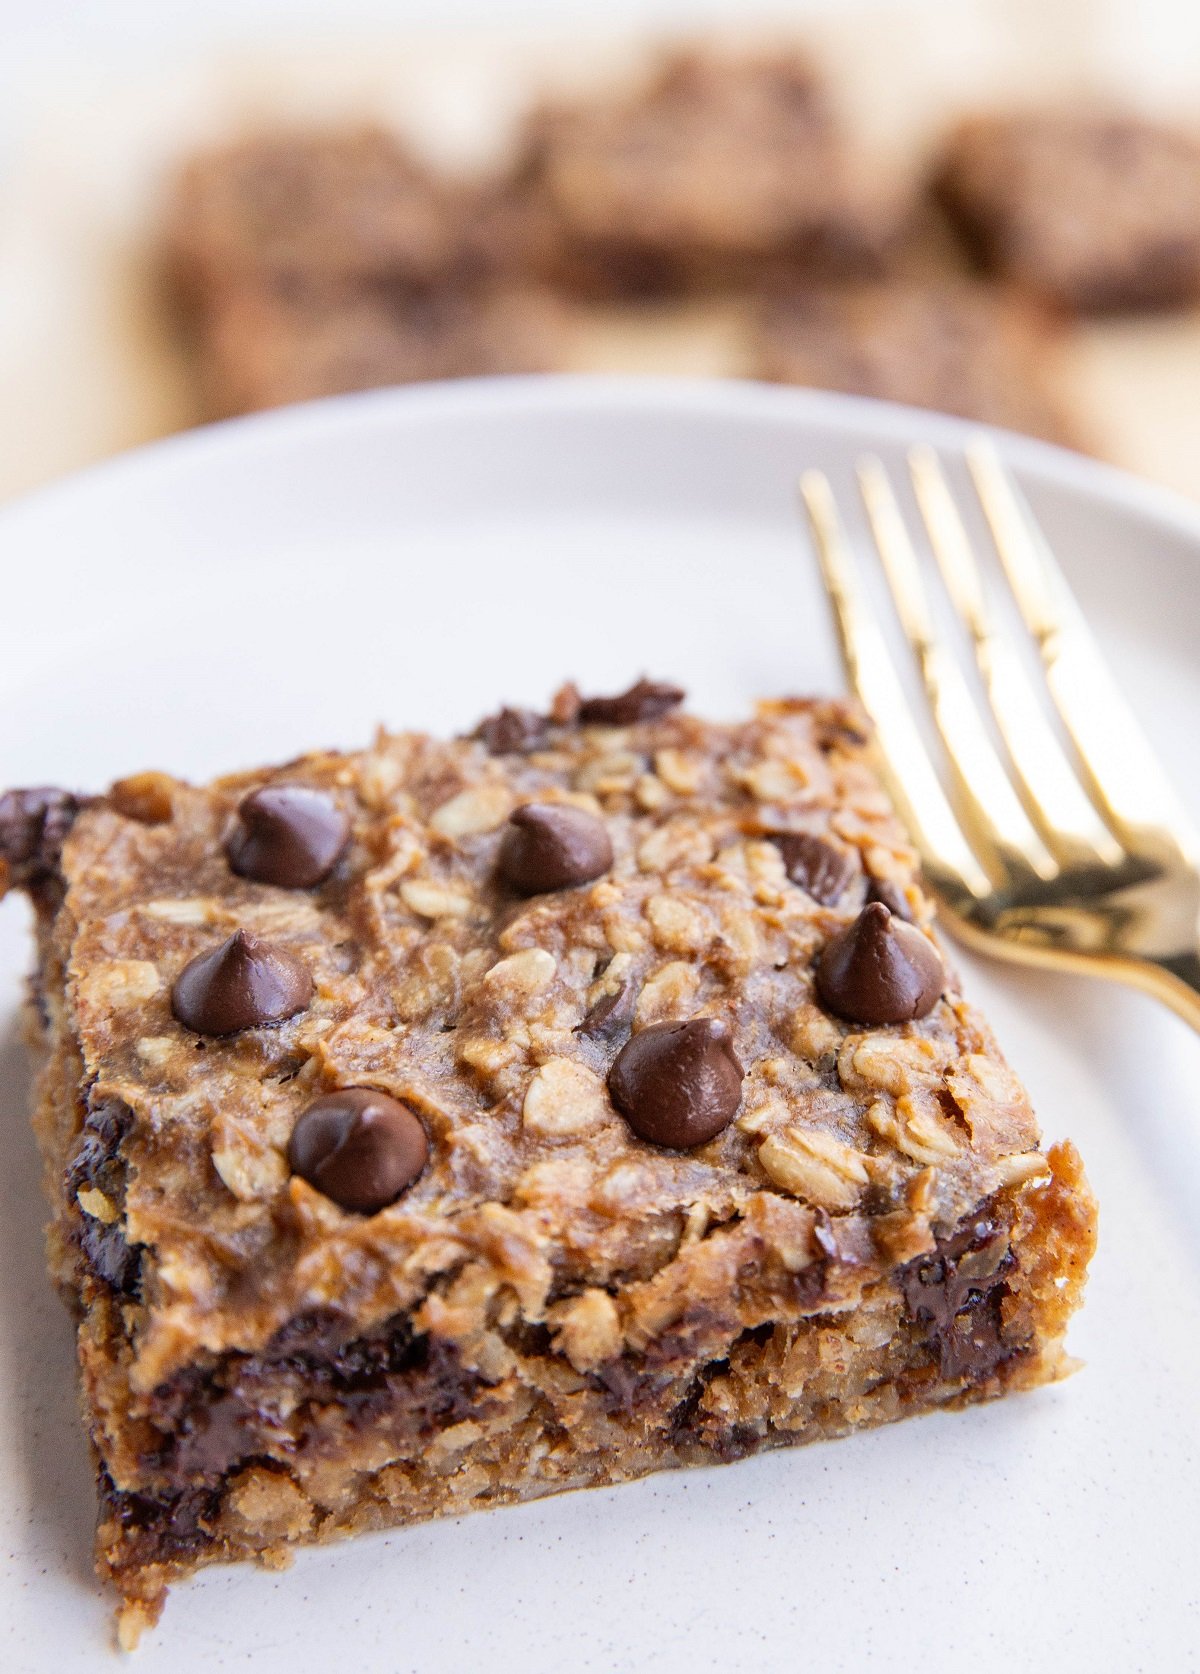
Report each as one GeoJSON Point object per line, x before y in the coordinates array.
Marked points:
{"type": "Point", "coordinates": [957, 1291]}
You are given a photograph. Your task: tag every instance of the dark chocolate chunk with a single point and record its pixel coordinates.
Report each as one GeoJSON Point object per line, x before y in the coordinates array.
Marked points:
{"type": "Point", "coordinates": [645, 701]}
{"type": "Point", "coordinates": [678, 1084]}
{"type": "Point", "coordinates": [317, 1332]}
{"type": "Point", "coordinates": [96, 1162]}
{"type": "Point", "coordinates": [33, 826]}
{"type": "Point", "coordinates": [241, 984]}
{"type": "Point", "coordinates": [551, 845]}
{"type": "Point", "coordinates": [957, 1291]}
{"type": "Point", "coordinates": [160, 1527]}
{"type": "Point", "coordinates": [512, 731]}
{"type": "Point", "coordinates": [359, 1147]}
{"type": "Point", "coordinates": [817, 866]}
{"type": "Point", "coordinates": [610, 1014]}
{"type": "Point", "coordinates": [880, 970]}
{"type": "Point", "coordinates": [97, 1165]}
{"type": "Point", "coordinates": [212, 1418]}
{"type": "Point", "coordinates": [287, 835]}
{"type": "Point", "coordinates": [892, 897]}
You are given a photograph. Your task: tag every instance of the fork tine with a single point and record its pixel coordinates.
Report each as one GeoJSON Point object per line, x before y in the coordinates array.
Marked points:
{"type": "Point", "coordinates": [1119, 764]}
{"type": "Point", "coordinates": [947, 857]}
{"type": "Point", "coordinates": [1051, 788]}
{"type": "Point", "coordinates": [985, 793]}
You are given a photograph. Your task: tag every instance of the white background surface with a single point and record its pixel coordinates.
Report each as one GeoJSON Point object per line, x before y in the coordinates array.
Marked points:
{"type": "Point", "coordinates": [1158, 40]}
{"type": "Point", "coordinates": [261, 589]}
{"type": "Point", "coordinates": [99, 99]}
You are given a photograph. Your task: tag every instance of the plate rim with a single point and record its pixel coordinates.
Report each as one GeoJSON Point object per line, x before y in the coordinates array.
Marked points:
{"type": "Point", "coordinates": [194, 454]}
{"type": "Point", "coordinates": [587, 395]}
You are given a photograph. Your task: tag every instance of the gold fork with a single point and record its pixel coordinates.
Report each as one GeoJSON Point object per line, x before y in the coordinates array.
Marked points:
{"type": "Point", "coordinates": [1068, 851]}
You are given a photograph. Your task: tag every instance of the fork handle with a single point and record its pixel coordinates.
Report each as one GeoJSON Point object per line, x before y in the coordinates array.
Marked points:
{"type": "Point", "coordinates": [1176, 982]}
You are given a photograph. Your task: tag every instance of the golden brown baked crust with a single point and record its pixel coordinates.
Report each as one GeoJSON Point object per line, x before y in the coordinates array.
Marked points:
{"type": "Point", "coordinates": [554, 1302]}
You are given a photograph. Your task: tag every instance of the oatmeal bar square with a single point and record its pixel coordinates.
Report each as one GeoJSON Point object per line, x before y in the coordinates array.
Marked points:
{"type": "Point", "coordinates": [314, 263]}
{"type": "Point", "coordinates": [338, 205]}
{"type": "Point", "coordinates": [722, 168]}
{"type": "Point", "coordinates": [1092, 209]}
{"type": "Point", "coordinates": [452, 1123]}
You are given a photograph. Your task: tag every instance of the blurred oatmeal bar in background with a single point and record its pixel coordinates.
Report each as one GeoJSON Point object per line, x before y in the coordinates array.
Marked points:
{"type": "Point", "coordinates": [1092, 209]}
{"type": "Point", "coordinates": [331, 205]}
{"type": "Point", "coordinates": [720, 165]}
{"type": "Point", "coordinates": [957, 346]}
{"type": "Point", "coordinates": [308, 264]}
{"type": "Point", "coordinates": [260, 348]}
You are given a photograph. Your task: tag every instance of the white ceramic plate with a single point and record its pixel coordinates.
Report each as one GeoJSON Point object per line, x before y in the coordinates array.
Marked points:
{"type": "Point", "coordinates": [245, 593]}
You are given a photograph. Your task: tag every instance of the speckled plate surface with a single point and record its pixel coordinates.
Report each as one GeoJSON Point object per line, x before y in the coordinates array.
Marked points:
{"type": "Point", "coordinates": [251, 591]}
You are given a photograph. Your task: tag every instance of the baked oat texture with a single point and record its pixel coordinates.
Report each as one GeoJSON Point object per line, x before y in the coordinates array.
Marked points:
{"type": "Point", "coordinates": [554, 1303]}
{"type": "Point", "coordinates": [1091, 209]}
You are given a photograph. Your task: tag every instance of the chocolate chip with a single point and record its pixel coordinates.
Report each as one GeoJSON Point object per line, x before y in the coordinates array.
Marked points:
{"type": "Point", "coordinates": [817, 866]}
{"type": "Point", "coordinates": [678, 1084]}
{"type": "Point", "coordinates": [241, 984]}
{"type": "Point", "coordinates": [550, 845]}
{"type": "Point", "coordinates": [359, 1147]}
{"type": "Point", "coordinates": [645, 701]}
{"type": "Point", "coordinates": [287, 835]}
{"type": "Point", "coordinates": [880, 970]}
{"type": "Point", "coordinates": [33, 827]}
{"type": "Point", "coordinates": [512, 731]}
{"type": "Point", "coordinates": [610, 1014]}
{"type": "Point", "coordinates": [892, 897]}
